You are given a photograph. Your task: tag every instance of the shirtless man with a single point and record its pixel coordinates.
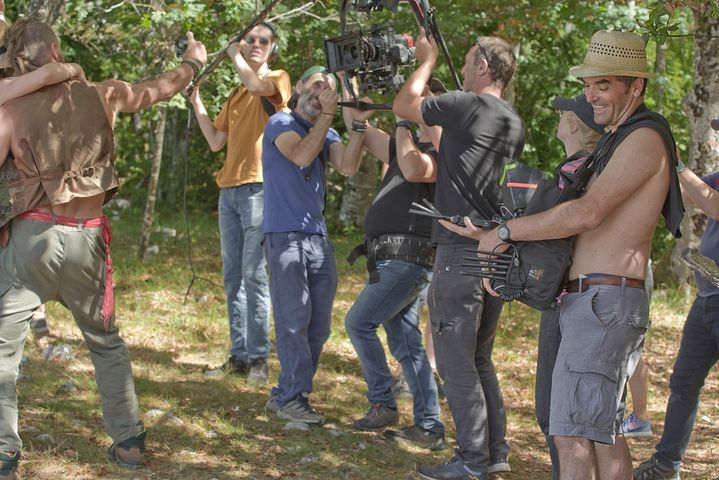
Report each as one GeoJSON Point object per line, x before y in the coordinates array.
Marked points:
{"type": "Point", "coordinates": [604, 317]}
{"type": "Point", "coordinates": [59, 241]}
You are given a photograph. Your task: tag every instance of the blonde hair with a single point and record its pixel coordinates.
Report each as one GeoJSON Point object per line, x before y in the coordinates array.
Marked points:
{"type": "Point", "coordinates": [28, 44]}
{"type": "Point", "coordinates": [588, 137]}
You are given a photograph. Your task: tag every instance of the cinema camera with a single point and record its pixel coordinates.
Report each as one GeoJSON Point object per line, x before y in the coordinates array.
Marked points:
{"type": "Point", "coordinates": [374, 54]}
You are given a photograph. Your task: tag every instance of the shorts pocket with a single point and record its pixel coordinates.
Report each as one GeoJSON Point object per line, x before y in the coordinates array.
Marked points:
{"type": "Point", "coordinates": [593, 393]}
{"type": "Point", "coordinates": [604, 305]}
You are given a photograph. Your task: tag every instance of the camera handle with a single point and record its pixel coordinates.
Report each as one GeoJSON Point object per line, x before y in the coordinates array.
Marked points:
{"type": "Point", "coordinates": [362, 105]}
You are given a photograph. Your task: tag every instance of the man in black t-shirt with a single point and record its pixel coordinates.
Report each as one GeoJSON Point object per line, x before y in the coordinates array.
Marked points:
{"type": "Point", "coordinates": [481, 131]}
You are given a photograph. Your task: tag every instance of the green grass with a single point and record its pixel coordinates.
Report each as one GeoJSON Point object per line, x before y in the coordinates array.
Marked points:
{"type": "Point", "coordinates": [223, 431]}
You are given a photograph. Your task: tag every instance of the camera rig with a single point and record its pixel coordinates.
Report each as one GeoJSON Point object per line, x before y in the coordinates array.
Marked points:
{"type": "Point", "coordinates": [375, 54]}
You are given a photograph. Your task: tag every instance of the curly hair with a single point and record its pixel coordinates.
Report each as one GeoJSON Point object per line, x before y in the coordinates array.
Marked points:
{"type": "Point", "coordinates": [28, 43]}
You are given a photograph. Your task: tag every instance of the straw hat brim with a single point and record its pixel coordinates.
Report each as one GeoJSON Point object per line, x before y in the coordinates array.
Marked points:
{"type": "Point", "coordinates": [581, 71]}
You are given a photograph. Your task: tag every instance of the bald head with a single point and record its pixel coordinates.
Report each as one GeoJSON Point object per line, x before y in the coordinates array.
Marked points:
{"type": "Point", "coordinates": [29, 45]}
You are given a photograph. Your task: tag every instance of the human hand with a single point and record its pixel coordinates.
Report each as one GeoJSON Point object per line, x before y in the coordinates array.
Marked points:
{"type": "Point", "coordinates": [234, 49]}
{"type": "Point", "coordinates": [195, 50]}
{"type": "Point", "coordinates": [362, 115]}
{"type": "Point", "coordinates": [426, 49]}
{"type": "Point", "coordinates": [328, 100]}
{"type": "Point", "coordinates": [76, 70]}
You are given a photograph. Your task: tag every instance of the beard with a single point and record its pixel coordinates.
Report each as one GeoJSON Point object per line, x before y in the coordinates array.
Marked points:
{"type": "Point", "coordinates": [305, 103]}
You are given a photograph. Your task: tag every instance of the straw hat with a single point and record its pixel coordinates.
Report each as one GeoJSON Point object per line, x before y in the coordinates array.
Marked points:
{"type": "Point", "coordinates": [614, 53]}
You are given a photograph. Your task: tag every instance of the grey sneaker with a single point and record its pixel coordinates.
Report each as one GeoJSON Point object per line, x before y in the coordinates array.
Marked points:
{"type": "Point", "coordinates": [653, 469]}
{"type": "Point", "coordinates": [378, 416]}
{"type": "Point", "coordinates": [455, 469]}
{"type": "Point", "coordinates": [8, 465]}
{"type": "Point", "coordinates": [418, 436]}
{"type": "Point", "coordinates": [129, 453]}
{"type": "Point", "coordinates": [300, 410]}
{"type": "Point", "coordinates": [499, 466]}
{"type": "Point", "coordinates": [258, 372]}
{"type": "Point", "coordinates": [273, 405]}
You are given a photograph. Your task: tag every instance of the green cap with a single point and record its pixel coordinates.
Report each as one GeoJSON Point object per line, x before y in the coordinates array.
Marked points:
{"type": "Point", "coordinates": [317, 69]}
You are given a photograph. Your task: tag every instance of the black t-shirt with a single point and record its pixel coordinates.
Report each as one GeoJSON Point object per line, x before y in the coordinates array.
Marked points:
{"type": "Point", "coordinates": [388, 212]}
{"type": "Point", "coordinates": [480, 133]}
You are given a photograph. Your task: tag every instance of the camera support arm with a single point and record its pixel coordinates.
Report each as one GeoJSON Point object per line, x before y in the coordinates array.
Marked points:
{"type": "Point", "coordinates": [223, 53]}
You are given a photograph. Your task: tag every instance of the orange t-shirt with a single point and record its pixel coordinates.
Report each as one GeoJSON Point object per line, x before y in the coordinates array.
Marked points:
{"type": "Point", "coordinates": [243, 119]}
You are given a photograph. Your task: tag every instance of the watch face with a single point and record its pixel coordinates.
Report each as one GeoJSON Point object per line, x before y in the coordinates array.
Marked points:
{"type": "Point", "coordinates": [503, 233]}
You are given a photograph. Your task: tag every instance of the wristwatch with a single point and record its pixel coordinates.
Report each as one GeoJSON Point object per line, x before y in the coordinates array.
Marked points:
{"type": "Point", "coordinates": [503, 232]}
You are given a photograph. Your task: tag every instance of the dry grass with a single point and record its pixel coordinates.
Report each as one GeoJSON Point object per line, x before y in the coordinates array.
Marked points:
{"type": "Point", "coordinates": [223, 431]}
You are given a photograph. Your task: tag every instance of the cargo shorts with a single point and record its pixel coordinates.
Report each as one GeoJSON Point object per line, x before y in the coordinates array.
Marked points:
{"type": "Point", "coordinates": [603, 331]}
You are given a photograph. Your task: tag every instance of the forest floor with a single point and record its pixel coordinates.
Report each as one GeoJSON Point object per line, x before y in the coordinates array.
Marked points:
{"type": "Point", "coordinates": [203, 427]}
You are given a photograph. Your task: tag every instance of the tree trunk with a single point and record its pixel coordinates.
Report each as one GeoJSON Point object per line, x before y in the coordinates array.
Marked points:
{"type": "Point", "coordinates": [159, 140]}
{"type": "Point", "coordinates": [660, 69]}
{"type": "Point", "coordinates": [358, 192]}
{"type": "Point", "coordinates": [702, 106]}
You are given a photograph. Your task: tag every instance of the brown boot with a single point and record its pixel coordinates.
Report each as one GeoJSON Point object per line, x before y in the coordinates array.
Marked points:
{"type": "Point", "coordinates": [129, 453]}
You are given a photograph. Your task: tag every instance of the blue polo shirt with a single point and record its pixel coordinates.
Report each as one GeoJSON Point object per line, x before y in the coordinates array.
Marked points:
{"type": "Point", "coordinates": [294, 196]}
{"type": "Point", "coordinates": [709, 245]}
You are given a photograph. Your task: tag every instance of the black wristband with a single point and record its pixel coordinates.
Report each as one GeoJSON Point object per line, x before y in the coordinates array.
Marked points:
{"type": "Point", "coordinates": [358, 126]}
{"type": "Point", "coordinates": [404, 124]}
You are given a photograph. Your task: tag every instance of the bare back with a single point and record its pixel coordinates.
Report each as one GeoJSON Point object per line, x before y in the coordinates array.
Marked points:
{"type": "Point", "coordinates": [639, 173]}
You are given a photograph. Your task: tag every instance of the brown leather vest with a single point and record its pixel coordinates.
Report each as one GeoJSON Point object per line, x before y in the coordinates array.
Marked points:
{"type": "Point", "coordinates": [66, 149]}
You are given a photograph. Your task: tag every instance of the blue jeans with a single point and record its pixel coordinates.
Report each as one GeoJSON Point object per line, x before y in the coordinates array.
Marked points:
{"type": "Point", "coordinates": [698, 353]}
{"type": "Point", "coordinates": [394, 303]}
{"type": "Point", "coordinates": [303, 282]}
{"type": "Point", "coordinates": [244, 269]}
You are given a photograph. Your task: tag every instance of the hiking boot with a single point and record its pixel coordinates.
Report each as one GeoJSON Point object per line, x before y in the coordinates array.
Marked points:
{"type": "Point", "coordinates": [129, 453]}
{"type": "Point", "coordinates": [455, 469]}
{"type": "Point", "coordinates": [300, 410]}
{"type": "Point", "coordinates": [400, 388]}
{"type": "Point", "coordinates": [634, 427]}
{"type": "Point", "coordinates": [378, 416]}
{"type": "Point", "coordinates": [38, 324]}
{"type": "Point", "coordinates": [8, 465]}
{"type": "Point", "coordinates": [417, 436]}
{"type": "Point", "coordinates": [258, 372]}
{"type": "Point", "coordinates": [235, 366]}
{"type": "Point", "coordinates": [653, 469]}
{"type": "Point", "coordinates": [500, 466]}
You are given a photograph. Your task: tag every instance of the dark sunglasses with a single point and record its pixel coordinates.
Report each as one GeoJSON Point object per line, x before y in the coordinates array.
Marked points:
{"type": "Point", "coordinates": [264, 41]}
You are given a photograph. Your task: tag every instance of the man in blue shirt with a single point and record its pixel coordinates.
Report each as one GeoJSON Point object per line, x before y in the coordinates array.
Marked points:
{"type": "Point", "coordinates": [303, 272]}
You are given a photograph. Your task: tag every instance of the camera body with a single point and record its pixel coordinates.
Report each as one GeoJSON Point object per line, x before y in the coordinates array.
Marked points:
{"type": "Point", "coordinates": [373, 55]}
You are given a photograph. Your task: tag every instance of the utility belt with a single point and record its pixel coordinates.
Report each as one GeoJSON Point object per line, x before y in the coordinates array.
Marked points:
{"type": "Point", "coordinates": [407, 248]}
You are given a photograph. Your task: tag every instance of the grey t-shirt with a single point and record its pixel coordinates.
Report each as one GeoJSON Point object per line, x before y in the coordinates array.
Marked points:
{"type": "Point", "coordinates": [480, 133]}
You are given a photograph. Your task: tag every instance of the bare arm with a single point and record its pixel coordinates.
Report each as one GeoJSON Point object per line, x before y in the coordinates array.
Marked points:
{"type": "Point", "coordinates": [216, 139]}
{"type": "Point", "coordinates": [346, 158]}
{"type": "Point", "coordinates": [259, 87]}
{"type": "Point", "coordinates": [121, 96]}
{"type": "Point", "coordinates": [376, 141]}
{"type": "Point", "coordinates": [415, 165]}
{"type": "Point", "coordinates": [701, 194]}
{"type": "Point", "coordinates": [48, 74]}
{"type": "Point", "coordinates": [5, 131]}
{"type": "Point", "coordinates": [408, 103]}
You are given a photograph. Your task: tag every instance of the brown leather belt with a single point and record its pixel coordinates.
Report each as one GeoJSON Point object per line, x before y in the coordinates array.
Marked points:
{"type": "Point", "coordinates": [581, 284]}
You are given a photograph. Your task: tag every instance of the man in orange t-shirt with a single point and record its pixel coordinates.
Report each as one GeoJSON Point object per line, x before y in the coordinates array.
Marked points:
{"type": "Point", "coordinates": [240, 125]}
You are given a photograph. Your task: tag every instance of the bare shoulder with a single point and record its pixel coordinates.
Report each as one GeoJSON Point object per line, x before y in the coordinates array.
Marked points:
{"type": "Point", "coordinates": [643, 144]}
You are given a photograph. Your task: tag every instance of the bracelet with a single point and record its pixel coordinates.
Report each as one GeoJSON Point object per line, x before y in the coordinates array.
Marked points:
{"type": "Point", "coordinates": [358, 126]}
{"type": "Point", "coordinates": [403, 124]}
{"type": "Point", "coordinates": [681, 166]}
{"type": "Point", "coordinates": [331, 114]}
{"type": "Point", "coordinates": [196, 65]}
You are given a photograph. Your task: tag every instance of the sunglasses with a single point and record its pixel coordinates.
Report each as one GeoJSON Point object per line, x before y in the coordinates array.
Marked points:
{"type": "Point", "coordinates": [263, 41]}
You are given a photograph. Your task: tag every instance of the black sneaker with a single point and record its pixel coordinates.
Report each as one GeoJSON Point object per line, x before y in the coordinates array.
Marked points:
{"type": "Point", "coordinates": [653, 469]}
{"type": "Point", "coordinates": [418, 436]}
{"type": "Point", "coordinates": [378, 416]}
{"type": "Point", "coordinates": [299, 410]}
{"type": "Point", "coordinates": [38, 325]}
{"type": "Point", "coordinates": [129, 453]}
{"type": "Point", "coordinates": [258, 372]}
{"type": "Point", "coordinates": [235, 366]}
{"type": "Point", "coordinates": [8, 465]}
{"type": "Point", "coordinates": [455, 469]}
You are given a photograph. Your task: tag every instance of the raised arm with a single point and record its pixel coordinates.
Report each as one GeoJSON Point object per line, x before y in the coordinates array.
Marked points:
{"type": "Point", "coordinates": [415, 165]}
{"type": "Point", "coordinates": [121, 96]}
{"type": "Point", "coordinates": [376, 141]}
{"type": "Point", "coordinates": [257, 86]}
{"type": "Point", "coordinates": [408, 103]}
{"type": "Point", "coordinates": [48, 74]}
{"type": "Point", "coordinates": [216, 139]}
